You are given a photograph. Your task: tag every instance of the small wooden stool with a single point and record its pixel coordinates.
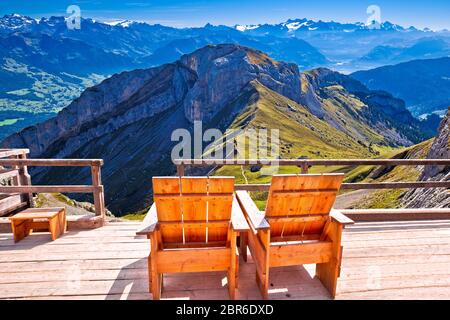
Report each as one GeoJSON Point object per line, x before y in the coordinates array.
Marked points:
{"type": "Point", "coordinates": [51, 219]}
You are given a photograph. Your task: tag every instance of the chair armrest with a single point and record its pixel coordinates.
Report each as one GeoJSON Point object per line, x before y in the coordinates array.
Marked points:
{"type": "Point", "coordinates": [148, 226]}
{"type": "Point", "coordinates": [255, 217]}
{"type": "Point", "coordinates": [238, 221]}
{"type": "Point", "coordinates": [339, 217]}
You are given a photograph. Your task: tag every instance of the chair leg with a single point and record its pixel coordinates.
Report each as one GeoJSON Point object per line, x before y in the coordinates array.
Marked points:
{"type": "Point", "coordinates": [62, 222]}
{"type": "Point", "coordinates": [156, 285]}
{"type": "Point", "coordinates": [232, 282]}
{"type": "Point", "coordinates": [149, 264]}
{"type": "Point", "coordinates": [18, 230]}
{"type": "Point", "coordinates": [54, 227]}
{"type": "Point", "coordinates": [234, 261]}
{"type": "Point", "coordinates": [155, 276]}
{"type": "Point", "coordinates": [237, 268]}
{"type": "Point", "coordinates": [263, 284]}
{"type": "Point", "coordinates": [244, 245]}
{"type": "Point", "coordinates": [328, 275]}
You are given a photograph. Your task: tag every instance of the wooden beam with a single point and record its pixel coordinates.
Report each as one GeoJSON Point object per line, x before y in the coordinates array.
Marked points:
{"type": "Point", "coordinates": [180, 170]}
{"type": "Point", "coordinates": [50, 189]}
{"type": "Point", "coordinates": [368, 215]}
{"type": "Point", "coordinates": [149, 223]}
{"type": "Point", "coordinates": [237, 218]}
{"type": "Point", "coordinates": [397, 185]}
{"type": "Point", "coordinates": [194, 224]}
{"type": "Point", "coordinates": [24, 179]}
{"type": "Point", "coordinates": [255, 217]}
{"type": "Point", "coordinates": [362, 186]}
{"type": "Point", "coordinates": [338, 216]}
{"type": "Point", "coordinates": [8, 174]}
{"type": "Point", "coordinates": [99, 196]}
{"type": "Point", "coordinates": [296, 254]}
{"type": "Point", "coordinates": [297, 218]}
{"type": "Point", "coordinates": [193, 260]}
{"type": "Point", "coordinates": [194, 196]}
{"type": "Point", "coordinates": [52, 162]}
{"type": "Point", "coordinates": [73, 223]}
{"type": "Point", "coordinates": [316, 162]}
{"type": "Point", "coordinates": [5, 153]}
{"type": "Point", "coordinates": [11, 203]}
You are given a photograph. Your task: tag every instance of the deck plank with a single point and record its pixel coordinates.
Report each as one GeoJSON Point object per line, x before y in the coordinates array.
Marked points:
{"type": "Point", "coordinates": [396, 260]}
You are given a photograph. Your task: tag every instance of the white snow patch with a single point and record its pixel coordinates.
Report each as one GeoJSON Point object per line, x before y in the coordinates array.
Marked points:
{"type": "Point", "coordinates": [243, 28]}
{"type": "Point", "coordinates": [293, 26]}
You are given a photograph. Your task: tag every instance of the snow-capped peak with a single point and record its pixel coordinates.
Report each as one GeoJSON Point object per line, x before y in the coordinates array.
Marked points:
{"type": "Point", "coordinates": [247, 27]}
{"type": "Point", "coordinates": [293, 26]}
{"type": "Point", "coordinates": [15, 22]}
{"type": "Point", "coordinates": [121, 23]}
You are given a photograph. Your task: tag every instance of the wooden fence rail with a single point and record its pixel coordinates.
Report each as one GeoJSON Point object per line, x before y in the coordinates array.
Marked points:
{"type": "Point", "coordinates": [17, 160]}
{"type": "Point", "coordinates": [305, 164]}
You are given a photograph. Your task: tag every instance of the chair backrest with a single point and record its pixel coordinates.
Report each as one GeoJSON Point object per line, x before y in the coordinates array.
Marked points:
{"type": "Point", "coordinates": [193, 209]}
{"type": "Point", "coordinates": [300, 204]}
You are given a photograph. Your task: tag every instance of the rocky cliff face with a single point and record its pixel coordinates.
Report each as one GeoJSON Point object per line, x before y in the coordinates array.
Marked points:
{"type": "Point", "coordinates": [128, 119]}
{"type": "Point", "coordinates": [434, 198]}
{"type": "Point", "coordinates": [223, 71]}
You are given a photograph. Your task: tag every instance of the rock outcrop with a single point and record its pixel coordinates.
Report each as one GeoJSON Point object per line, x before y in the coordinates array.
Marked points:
{"type": "Point", "coordinates": [436, 197]}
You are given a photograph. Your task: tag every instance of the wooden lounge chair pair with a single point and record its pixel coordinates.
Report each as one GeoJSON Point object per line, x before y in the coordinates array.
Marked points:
{"type": "Point", "coordinates": [194, 223]}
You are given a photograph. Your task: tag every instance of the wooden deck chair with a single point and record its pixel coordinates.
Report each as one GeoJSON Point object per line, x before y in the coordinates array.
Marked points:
{"type": "Point", "coordinates": [298, 227]}
{"type": "Point", "coordinates": [193, 225]}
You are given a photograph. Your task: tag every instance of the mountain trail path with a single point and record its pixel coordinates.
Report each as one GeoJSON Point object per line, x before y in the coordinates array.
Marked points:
{"type": "Point", "coordinates": [347, 200]}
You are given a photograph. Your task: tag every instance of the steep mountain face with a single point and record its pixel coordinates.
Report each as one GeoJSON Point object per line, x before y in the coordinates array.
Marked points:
{"type": "Point", "coordinates": [423, 84]}
{"type": "Point", "coordinates": [128, 119]}
{"type": "Point", "coordinates": [231, 69]}
{"type": "Point", "coordinates": [434, 198]}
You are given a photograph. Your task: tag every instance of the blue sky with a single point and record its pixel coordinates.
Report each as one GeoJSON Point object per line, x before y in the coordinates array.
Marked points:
{"type": "Point", "coordinates": [433, 14]}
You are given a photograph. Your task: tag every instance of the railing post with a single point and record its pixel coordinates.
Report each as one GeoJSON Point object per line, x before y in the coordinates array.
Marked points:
{"type": "Point", "coordinates": [180, 170]}
{"type": "Point", "coordinates": [25, 180]}
{"type": "Point", "coordinates": [304, 168]}
{"type": "Point", "coordinates": [99, 194]}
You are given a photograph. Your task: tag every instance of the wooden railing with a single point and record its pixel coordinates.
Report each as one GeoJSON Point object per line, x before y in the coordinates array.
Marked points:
{"type": "Point", "coordinates": [358, 215]}
{"type": "Point", "coordinates": [18, 164]}
{"type": "Point", "coordinates": [305, 164]}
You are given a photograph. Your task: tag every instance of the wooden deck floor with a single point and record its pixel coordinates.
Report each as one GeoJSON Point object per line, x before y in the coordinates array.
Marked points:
{"type": "Point", "coordinates": [396, 260]}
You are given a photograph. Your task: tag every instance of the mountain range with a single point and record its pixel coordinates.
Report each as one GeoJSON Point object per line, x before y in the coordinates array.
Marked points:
{"type": "Point", "coordinates": [128, 118]}
{"type": "Point", "coordinates": [44, 65]}
{"type": "Point", "coordinates": [423, 84]}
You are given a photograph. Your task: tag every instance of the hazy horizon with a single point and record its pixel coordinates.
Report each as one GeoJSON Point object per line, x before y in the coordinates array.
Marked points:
{"type": "Point", "coordinates": [179, 13]}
